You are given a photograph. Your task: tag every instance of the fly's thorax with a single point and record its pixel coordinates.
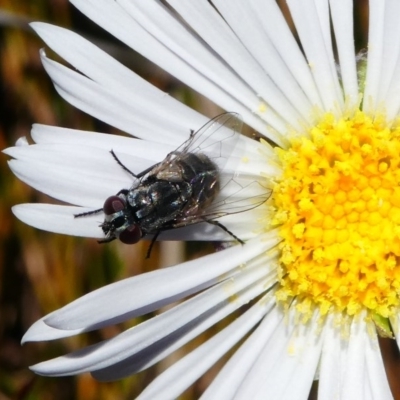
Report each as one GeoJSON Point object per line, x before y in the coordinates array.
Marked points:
{"type": "Point", "coordinates": [172, 172]}
{"type": "Point", "coordinates": [156, 202]}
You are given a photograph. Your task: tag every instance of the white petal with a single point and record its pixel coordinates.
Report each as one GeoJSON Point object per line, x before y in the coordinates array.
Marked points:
{"type": "Point", "coordinates": [60, 219]}
{"type": "Point", "coordinates": [276, 28]}
{"type": "Point", "coordinates": [46, 134]}
{"type": "Point", "coordinates": [333, 353]}
{"type": "Point", "coordinates": [391, 48]}
{"type": "Point", "coordinates": [376, 374]}
{"type": "Point", "coordinates": [267, 359]}
{"type": "Point", "coordinates": [134, 349]}
{"type": "Point", "coordinates": [395, 323]}
{"type": "Point", "coordinates": [294, 370]}
{"type": "Point", "coordinates": [354, 369]}
{"type": "Point", "coordinates": [375, 52]}
{"type": "Point", "coordinates": [157, 351]}
{"type": "Point", "coordinates": [40, 331]}
{"type": "Point", "coordinates": [311, 26]}
{"type": "Point", "coordinates": [125, 113]}
{"type": "Point", "coordinates": [115, 20]}
{"type": "Point", "coordinates": [248, 28]}
{"type": "Point", "coordinates": [100, 67]}
{"type": "Point", "coordinates": [166, 28]}
{"type": "Point", "coordinates": [389, 99]}
{"type": "Point", "coordinates": [183, 373]}
{"type": "Point", "coordinates": [343, 371]}
{"type": "Point", "coordinates": [236, 371]}
{"type": "Point", "coordinates": [213, 29]}
{"type": "Point", "coordinates": [141, 294]}
{"type": "Point", "coordinates": [342, 20]}
{"type": "Point", "coordinates": [81, 175]}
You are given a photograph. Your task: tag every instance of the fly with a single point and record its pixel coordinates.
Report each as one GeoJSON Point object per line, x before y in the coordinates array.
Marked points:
{"type": "Point", "coordinates": [178, 191]}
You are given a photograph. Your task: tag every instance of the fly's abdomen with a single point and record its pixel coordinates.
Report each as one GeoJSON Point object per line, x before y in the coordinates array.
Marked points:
{"type": "Point", "coordinates": [203, 176]}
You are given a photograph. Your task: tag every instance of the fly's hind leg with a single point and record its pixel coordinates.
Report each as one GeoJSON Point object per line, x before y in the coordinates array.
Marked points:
{"type": "Point", "coordinates": [223, 227]}
{"type": "Point", "coordinates": [152, 244]}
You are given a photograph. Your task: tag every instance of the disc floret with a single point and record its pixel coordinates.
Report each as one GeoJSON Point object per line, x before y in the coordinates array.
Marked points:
{"type": "Point", "coordinates": [338, 206]}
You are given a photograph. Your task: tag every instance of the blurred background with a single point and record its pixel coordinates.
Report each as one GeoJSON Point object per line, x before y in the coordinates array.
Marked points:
{"type": "Point", "coordinates": [40, 271]}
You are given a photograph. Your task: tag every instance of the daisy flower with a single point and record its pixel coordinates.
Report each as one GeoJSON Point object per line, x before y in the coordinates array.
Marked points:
{"type": "Point", "coordinates": [319, 272]}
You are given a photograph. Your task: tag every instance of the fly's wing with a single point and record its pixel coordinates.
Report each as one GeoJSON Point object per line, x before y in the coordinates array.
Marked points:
{"type": "Point", "coordinates": [217, 139]}
{"type": "Point", "coordinates": [239, 195]}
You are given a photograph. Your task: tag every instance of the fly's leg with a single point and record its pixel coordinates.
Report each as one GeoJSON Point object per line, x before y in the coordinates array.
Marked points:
{"type": "Point", "coordinates": [137, 176]}
{"type": "Point", "coordinates": [223, 227]}
{"type": "Point", "coordinates": [152, 244]}
{"type": "Point", "coordinates": [106, 240]}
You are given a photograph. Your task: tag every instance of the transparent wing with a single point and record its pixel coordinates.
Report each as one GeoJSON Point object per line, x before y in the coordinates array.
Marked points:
{"type": "Point", "coordinates": [239, 195]}
{"type": "Point", "coordinates": [217, 139]}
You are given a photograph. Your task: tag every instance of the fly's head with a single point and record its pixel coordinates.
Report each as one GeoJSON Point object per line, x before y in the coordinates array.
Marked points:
{"type": "Point", "coordinates": [118, 222]}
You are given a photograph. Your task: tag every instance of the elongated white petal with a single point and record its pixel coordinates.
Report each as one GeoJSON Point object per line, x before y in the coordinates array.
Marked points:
{"type": "Point", "coordinates": [395, 324]}
{"type": "Point", "coordinates": [162, 331]}
{"type": "Point", "coordinates": [276, 28]}
{"type": "Point", "coordinates": [102, 68]}
{"type": "Point", "coordinates": [115, 20]}
{"type": "Point", "coordinates": [40, 331]}
{"type": "Point", "coordinates": [166, 28]}
{"type": "Point", "coordinates": [293, 366]}
{"type": "Point", "coordinates": [319, 53]}
{"type": "Point", "coordinates": [238, 367]}
{"type": "Point", "coordinates": [247, 27]}
{"type": "Point", "coordinates": [182, 374]}
{"type": "Point", "coordinates": [391, 49]}
{"type": "Point", "coordinates": [55, 169]}
{"type": "Point", "coordinates": [389, 100]}
{"type": "Point", "coordinates": [343, 371]}
{"type": "Point", "coordinates": [212, 28]}
{"type": "Point", "coordinates": [333, 353]}
{"type": "Point", "coordinates": [159, 350]}
{"type": "Point", "coordinates": [108, 106]}
{"type": "Point", "coordinates": [342, 20]}
{"type": "Point", "coordinates": [354, 372]}
{"type": "Point", "coordinates": [376, 374]}
{"type": "Point", "coordinates": [60, 219]}
{"type": "Point", "coordinates": [46, 134]}
{"type": "Point", "coordinates": [139, 295]}
{"type": "Point", "coordinates": [375, 52]}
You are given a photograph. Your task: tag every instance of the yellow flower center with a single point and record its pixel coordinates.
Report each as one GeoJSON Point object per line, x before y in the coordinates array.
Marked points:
{"type": "Point", "coordinates": [338, 207]}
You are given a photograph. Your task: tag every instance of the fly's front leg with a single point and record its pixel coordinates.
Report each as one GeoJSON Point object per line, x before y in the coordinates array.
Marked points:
{"type": "Point", "coordinates": [126, 169]}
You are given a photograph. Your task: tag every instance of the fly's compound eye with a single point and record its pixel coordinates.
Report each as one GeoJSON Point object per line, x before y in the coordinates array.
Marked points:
{"type": "Point", "coordinates": [113, 204]}
{"type": "Point", "coordinates": [118, 224]}
{"type": "Point", "coordinates": [130, 235]}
